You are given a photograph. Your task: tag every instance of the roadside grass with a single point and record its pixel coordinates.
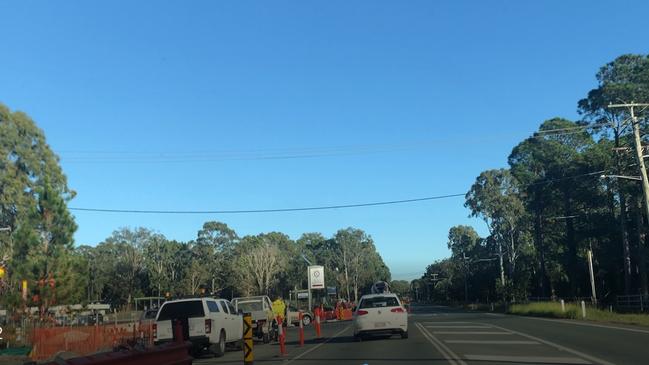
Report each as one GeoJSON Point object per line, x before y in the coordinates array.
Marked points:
{"type": "Point", "coordinates": [573, 311]}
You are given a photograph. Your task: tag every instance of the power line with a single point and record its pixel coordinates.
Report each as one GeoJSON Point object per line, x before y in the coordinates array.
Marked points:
{"type": "Point", "coordinates": [326, 207]}
{"type": "Point", "coordinates": [566, 178]}
{"type": "Point", "coordinates": [89, 156]}
{"type": "Point", "coordinates": [577, 128]}
{"type": "Point", "coordinates": [300, 209]}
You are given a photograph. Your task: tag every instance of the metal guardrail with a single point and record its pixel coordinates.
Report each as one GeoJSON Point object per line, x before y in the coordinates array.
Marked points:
{"type": "Point", "coordinates": [633, 302]}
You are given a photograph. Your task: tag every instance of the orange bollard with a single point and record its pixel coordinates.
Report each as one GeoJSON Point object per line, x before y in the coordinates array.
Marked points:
{"type": "Point", "coordinates": [317, 322]}
{"type": "Point", "coordinates": [300, 316]}
{"type": "Point", "coordinates": [282, 336]}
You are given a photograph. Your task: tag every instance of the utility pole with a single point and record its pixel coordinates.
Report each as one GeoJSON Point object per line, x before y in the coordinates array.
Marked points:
{"type": "Point", "coordinates": [638, 148]}
{"type": "Point", "coordinates": [592, 276]}
{"type": "Point", "coordinates": [466, 274]}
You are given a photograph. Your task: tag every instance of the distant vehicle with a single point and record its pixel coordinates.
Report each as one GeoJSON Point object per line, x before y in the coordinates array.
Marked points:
{"type": "Point", "coordinates": [380, 314]}
{"type": "Point", "coordinates": [293, 315]}
{"type": "Point", "coordinates": [209, 324]}
{"type": "Point", "coordinates": [83, 320]}
{"type": "Point", "coordinates": [380, 287]}
{"type": "Point", "coordinates": [148, 316]}
{"type": "Point", "coordinates": [261, 310]}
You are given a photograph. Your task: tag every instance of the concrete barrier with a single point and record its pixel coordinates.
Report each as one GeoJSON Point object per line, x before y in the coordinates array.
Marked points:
{"type": "Point", "coordinates": [174, 353]}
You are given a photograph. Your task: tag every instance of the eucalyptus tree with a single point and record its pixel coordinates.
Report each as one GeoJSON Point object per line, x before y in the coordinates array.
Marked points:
{"type": "Point", "coordinates": [218, 241]}
{"type": "Point", "coordinates": [495, 198]}
{"type": "Point", "coordinates": [625, 79]}
{"type": "Point", "coordinates": [33, 206]}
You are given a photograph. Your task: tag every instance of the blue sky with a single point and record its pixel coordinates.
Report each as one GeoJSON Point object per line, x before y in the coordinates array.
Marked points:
{"type": "Point", "coordinates": [187, 105]}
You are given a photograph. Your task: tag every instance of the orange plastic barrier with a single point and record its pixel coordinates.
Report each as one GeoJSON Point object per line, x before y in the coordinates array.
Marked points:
{"type": "Point", "coordinates": [346, 315]}
{"type": "Point", "coordinates": [85, 340]}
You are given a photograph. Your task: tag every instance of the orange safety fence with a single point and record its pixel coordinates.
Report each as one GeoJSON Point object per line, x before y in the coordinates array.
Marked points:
{"type": "Point", "coordinates": [343, 314]}
{"type": "Point", "coordinates": [86, 340]}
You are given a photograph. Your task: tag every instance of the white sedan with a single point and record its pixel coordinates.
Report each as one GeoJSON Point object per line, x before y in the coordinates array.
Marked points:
{"type": "Point", "coordinates": [380, 314]}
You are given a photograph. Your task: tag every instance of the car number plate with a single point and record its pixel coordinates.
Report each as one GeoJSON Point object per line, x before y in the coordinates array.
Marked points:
{"type": "Point", "coordinates": [379, 324]}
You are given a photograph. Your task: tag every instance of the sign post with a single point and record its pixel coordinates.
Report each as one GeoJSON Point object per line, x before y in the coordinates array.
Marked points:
{"type": "Point", "coordinates": [315, 274]}
{"type": "Point", "coordinates": [248, 357]}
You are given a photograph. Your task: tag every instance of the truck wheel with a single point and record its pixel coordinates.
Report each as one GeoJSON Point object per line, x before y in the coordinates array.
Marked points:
{"type": "Point", "coordinates": [404, 334]}
{"type": "Point", "coordinates": [219, 348]}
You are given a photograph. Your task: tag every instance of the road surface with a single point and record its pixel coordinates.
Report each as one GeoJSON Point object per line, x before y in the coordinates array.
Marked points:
{"type": "Point", "coordinates": [441, 335]}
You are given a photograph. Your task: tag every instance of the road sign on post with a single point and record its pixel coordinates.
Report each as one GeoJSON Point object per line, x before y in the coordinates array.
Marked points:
{"type": "Point", "coordinates": [316, 277]}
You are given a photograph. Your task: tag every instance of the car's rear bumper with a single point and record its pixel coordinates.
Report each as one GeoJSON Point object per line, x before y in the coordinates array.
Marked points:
{"type": "Point", "coordinates": [382, 331]}
{"type": "Point", "coordinates": [371, 327]}
{"type": "Point", "coordinates": [198, 342]}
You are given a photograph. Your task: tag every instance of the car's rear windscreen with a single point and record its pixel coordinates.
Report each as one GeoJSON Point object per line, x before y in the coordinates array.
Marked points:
{"type": "Point", "coordinates": [188, 309]}
{"type": "Point", "coordinates": [379, 302]}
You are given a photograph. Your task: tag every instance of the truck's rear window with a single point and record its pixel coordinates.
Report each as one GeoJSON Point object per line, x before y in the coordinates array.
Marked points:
{"type": "Point", "coordinates": [379, 302]}
{"type": "Point", "coordinates": [188, 309]}
{"type": "Point", "coordinates": [250, 306]}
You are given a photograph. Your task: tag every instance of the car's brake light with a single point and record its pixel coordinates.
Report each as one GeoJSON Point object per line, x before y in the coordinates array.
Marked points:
{"type": "Point", "coordinates": [397, 310]}
{"type": "Point", "coordinates": [154, 329]}
{"type": "Point", "coordinates": [208, 326]}
{"type": "Point", "coordinates": [362, 312]}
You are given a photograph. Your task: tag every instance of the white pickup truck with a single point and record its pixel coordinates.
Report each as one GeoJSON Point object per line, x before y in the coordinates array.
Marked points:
{"type": "Point", "coordinates": [261, 309]}
{"type": "Point", "coordinates": [209, 324]}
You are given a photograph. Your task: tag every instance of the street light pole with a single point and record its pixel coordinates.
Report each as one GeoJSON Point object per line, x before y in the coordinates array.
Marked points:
{"type": "Point", "coordinates": [466, 273]}
{"type": "Point", "coordinates": [636, 178]}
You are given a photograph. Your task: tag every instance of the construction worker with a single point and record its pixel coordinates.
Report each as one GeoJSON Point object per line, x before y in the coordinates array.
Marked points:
{"type": "Point", "coordinates": [279, 308]}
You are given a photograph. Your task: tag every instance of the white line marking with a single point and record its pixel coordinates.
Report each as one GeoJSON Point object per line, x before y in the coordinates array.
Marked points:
{"type": "Point", "coordinates": [470, 333]}
{"type": "Point", "coordinates": [317, 346]}
{"type": "Point", "coordinates": [489, 342]}
{"type": "Point", "coordinates": [437, 347]}
{"type": "Point", "coordinates": [448, 353]}
{"type": "Point", "coordinates": [559, 347]}
{"type": "Point", "coordinates": [446, 322]}
{"type": "Point", "coordinates": [458, 326]}
{"type": "Point", "coordinates": [527, 359]}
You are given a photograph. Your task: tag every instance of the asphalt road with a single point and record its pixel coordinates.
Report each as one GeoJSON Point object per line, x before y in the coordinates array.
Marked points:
{"type": "Point", "coordinates": [440, 335]}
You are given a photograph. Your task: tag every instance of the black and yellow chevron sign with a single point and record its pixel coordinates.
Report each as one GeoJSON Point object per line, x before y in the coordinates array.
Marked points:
{"type": "Point", "coordinates": [248, 357]}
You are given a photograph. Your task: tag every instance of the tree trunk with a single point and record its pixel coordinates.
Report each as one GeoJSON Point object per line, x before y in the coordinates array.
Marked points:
{"type": "Point", "coordinates": [502, 264]}
{"type": "Point", "coordinates": [512, 263]}
{"type": "Point", "coordinates": [626, 252]}
{"type": "Point", "coordinates": [642, 251]}
{"type": "Point", "coordinates": [538, 237]}
{"type": "Point", "coordinates": [572, 247]}
{"type": "Point", "coordinates": [347, 283]}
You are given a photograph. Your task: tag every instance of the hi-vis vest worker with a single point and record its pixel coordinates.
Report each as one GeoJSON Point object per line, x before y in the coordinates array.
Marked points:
{"type": "Point", "coordinates": [279, 307]}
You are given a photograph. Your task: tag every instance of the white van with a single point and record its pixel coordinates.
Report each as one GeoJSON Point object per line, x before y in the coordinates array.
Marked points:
{"type": "Point", "coordinates": [209, 324]}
